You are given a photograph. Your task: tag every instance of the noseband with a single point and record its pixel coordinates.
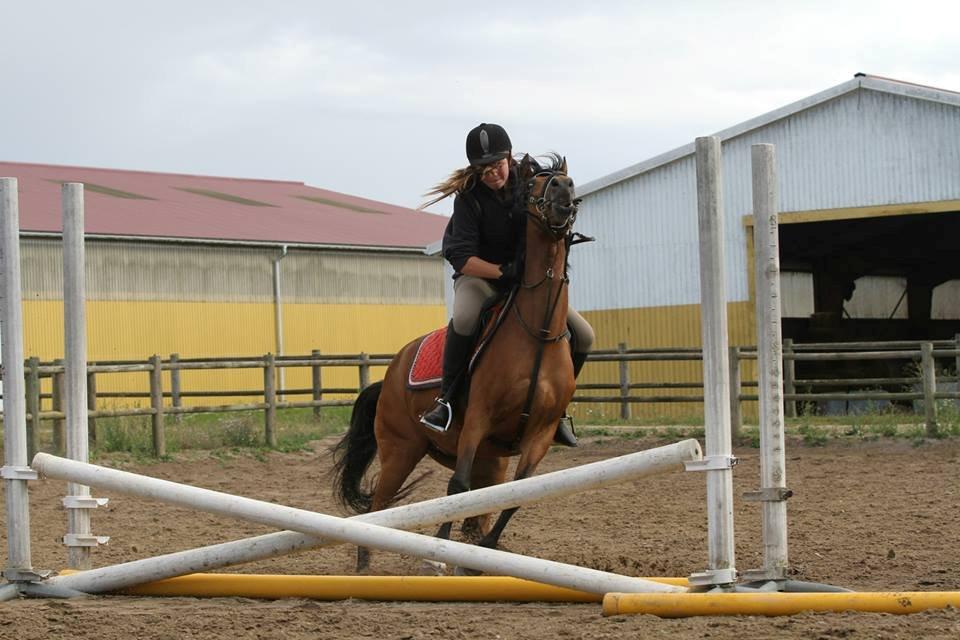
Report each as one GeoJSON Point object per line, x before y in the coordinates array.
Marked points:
{"type": "Point", "coordinates": [537, 206]}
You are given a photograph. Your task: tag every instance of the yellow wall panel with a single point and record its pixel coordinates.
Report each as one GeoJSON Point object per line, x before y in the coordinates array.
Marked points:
{"type": "Point", "coordinates": [352, 328]}
{"type": "Point", "coordinates": [135, 330]}
{"type": "Point", "coordinates": [658, 328]}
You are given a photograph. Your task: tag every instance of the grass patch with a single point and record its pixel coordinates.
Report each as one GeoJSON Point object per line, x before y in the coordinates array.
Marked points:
{"type": "Point", "coordinates": [813, 436]}
{"type": "Point", "coordinates": [228, 434]}
{"type": "Point", "coordinates": [234, 431]}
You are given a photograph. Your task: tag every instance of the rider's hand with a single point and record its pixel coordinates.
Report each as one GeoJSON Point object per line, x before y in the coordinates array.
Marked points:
{"type": "Point", "coordinates": [509, 272]}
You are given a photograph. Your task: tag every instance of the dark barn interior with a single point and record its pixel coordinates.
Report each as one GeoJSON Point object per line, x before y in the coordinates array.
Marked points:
{"type": "Point", "coordinates": [922, 248]}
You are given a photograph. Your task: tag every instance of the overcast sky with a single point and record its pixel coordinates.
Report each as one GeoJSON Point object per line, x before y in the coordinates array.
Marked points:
{"type": "Point", "coordinates": [374, 98]}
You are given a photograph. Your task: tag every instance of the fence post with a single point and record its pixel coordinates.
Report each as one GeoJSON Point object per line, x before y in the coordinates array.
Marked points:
{"type": "Point", "coordinates": [270, 399]}
{"type": "Point", "coordinates": [91, 406]}
{"type": "Point", "coordinates": [156, 402]}
{"type": "Point", "coordinates": [789, 376]}
{"type": "Point", "coordinates": [175, 385]}
{"type": "Point", "coordinates": [624, 382]}
{"type": "Point", "coordinates": [929, 368]}
{"type": "Point", "coordinates": [364, 370]}
{"type": "Point", "coordinates": [33, 406]}
{"type": "Point", "coordinates": [316, 378]}
{"type": "Point", "coordinates": [59, 439]}
{"type": "Point", "coordinates": [956, 345]}
{"type": "Point", "coordinates": [736, 416]}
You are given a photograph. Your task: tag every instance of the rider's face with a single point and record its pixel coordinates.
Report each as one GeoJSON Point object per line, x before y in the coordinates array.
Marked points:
{"type": "Point", "coordinates": [495, 174]}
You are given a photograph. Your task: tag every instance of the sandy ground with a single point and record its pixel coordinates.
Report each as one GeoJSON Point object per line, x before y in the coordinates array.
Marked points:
{"type": "Point", "coordinates": [882, 515]}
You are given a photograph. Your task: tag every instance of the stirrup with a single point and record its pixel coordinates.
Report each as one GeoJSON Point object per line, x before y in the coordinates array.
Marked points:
{"type": "Point", "coordinates": [440, 402]}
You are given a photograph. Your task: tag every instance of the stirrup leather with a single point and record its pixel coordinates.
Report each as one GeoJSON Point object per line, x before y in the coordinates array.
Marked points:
{"type": "Point", "coordinates": [443, 403]}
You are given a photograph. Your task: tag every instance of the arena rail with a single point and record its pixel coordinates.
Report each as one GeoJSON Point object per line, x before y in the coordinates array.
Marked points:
{"type": "Point", "coordinates": [925, 387]}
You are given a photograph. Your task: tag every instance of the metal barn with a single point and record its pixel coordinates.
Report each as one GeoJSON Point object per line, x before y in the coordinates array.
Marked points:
{"type": "Point", "coordinates": [204, 266]}
{"type": "Point", "coordinates": [870, 216]}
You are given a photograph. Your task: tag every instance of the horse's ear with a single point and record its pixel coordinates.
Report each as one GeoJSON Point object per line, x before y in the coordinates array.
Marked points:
{"type": "Point", "coordinates": [563, 165]}
{"type": "Point", "coordinates": [526, 170]}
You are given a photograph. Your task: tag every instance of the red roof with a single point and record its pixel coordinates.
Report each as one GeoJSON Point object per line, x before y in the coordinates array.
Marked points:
{"type": "Point", "coordinates": [170, 205]}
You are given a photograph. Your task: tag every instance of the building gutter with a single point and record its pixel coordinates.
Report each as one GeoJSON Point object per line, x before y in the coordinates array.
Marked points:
{"type": "Point", "coordinates": [232, 243]}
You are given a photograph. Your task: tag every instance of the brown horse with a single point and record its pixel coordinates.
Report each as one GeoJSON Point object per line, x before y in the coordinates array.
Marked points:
{"type": "Point", "coordinates": [518, 390]}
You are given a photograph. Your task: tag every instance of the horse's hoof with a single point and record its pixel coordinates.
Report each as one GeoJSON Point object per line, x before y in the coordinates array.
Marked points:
{"type": "Point", "coordinates": [466, 571]}
{"type": "Point", "coordinates": [433, 568]}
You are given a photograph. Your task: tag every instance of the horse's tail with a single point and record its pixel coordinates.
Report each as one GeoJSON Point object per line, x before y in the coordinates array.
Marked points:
{"type": "Point", "coordinates": [355, 451]}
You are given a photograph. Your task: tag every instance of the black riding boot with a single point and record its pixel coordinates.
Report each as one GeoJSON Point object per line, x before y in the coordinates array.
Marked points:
{"type": "Point", "coordinates": [456, 353]}
{"type": "Point", "coordinates": [565, 434]}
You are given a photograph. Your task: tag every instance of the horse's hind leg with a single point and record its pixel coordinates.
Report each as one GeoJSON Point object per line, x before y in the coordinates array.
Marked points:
{"type": "Point", "coordinates": [397, 461]}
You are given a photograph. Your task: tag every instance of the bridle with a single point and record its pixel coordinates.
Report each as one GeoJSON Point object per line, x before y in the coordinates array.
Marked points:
{"type": "Point", "coordinates": [538, 204]}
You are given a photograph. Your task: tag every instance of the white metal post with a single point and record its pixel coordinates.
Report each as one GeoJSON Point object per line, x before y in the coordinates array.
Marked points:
{"type": "Point", "coordinates": [773, 477]}
{"type": "Point", "coordinates": [15, 471]}
{"type": "Point", "coordinates": [718, 460]}
{"type": "Point", "coordinates": [77, 501]}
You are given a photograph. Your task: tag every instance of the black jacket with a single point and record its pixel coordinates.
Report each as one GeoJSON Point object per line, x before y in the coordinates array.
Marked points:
{"type": "Point", "coordinates": [485, 226]}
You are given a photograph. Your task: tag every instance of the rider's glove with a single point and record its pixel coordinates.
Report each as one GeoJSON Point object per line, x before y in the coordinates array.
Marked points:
{"type": "Point", "coordinates": [508, 272]}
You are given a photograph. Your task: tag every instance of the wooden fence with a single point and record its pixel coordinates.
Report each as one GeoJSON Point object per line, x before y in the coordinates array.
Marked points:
{"type": "Point", "coordinates": [270, 398]}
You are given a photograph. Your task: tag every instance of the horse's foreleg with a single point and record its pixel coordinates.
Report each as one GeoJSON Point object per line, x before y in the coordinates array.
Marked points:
{"type": "Point", "coordinates": [529, 460]}
{"type": "Point", "coordinates": [487, 472]}
{"type": "Point", "coordinates": [459, 482]}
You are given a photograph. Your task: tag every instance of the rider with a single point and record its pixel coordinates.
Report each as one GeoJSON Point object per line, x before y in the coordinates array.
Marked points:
{"type": "Point", "coordinates": [484, 243]}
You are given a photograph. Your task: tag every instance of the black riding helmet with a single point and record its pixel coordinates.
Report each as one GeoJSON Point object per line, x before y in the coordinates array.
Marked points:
{"type": "Point", "coordinates": [487, 143]}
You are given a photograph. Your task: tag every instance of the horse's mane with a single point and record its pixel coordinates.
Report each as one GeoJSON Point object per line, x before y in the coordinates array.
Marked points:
{"type": "Point", "coordinates": [555, 160]}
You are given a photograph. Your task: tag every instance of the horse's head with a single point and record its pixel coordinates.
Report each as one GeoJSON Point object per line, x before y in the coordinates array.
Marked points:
{"type": "Point", "coordinates": [549, 194]}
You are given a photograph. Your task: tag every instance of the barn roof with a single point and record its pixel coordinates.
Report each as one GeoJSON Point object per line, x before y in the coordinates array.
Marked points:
{"type": "Point", "coordinates": [169, 206]}
{"type": "Point", "coordinates": [859, 81]}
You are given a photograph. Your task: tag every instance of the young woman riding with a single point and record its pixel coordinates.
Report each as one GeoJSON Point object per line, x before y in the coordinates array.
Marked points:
{"type": "Point", "coordinates": [484, 243]}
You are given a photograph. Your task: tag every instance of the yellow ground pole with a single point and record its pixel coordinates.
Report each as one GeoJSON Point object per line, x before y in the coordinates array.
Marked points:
{"type": "Point", "coordinates": [386, 588]}
{"type": "Point", "coordinates": [680, 605]}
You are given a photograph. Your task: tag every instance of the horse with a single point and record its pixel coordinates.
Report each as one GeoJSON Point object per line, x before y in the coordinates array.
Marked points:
{"type": "Point", "coordinates": [518, 389]}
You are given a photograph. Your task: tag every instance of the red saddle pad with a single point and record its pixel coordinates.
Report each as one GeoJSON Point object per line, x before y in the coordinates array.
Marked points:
{"type": "Point", "coordinates": [427, 367]}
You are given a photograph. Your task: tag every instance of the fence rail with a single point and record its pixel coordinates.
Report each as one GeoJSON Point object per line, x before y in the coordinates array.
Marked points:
{"type": "Point", "coordinates": [623, 391]}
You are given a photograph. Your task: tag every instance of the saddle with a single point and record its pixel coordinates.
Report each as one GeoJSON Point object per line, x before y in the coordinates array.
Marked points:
{"type": "Point", "coordinates": [426, 371]}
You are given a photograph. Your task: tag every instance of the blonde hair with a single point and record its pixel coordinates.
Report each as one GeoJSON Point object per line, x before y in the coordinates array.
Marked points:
{"type": "Point", "coordinates": [457, 182]}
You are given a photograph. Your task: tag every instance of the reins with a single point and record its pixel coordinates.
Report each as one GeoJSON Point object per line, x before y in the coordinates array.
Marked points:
{"type": "Point", "coordinates": [560, 233]}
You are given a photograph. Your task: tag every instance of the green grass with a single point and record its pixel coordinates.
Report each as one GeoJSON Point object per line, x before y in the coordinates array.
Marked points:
{"type": "Point", "coordinates": [812, 430]}
{"type": "Point", "coordinates": [229, 432]}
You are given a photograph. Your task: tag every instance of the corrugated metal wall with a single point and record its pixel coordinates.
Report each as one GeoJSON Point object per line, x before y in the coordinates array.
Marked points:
{"type": "Point", "coordinates": [654, 328]}
{"type": "Point", "coordinates": [146, 298]}
{"type": "Point", "coordinates": [640, 283]}
{"type": "Point", "coordinates": [214, 273]}
{"type": "Point", "coordinates": [860, 149]}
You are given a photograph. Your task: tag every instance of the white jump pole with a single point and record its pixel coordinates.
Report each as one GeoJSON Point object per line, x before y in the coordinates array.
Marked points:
{"type": "Point", "coordinates": [773, 493]}
{"type": "Point", "coordinates": [718, 460]}
{"type": "Point", "coordinates": [15, 471]}
{"type": "Point", "coordinates": [346, 530]}
{"type": "Point", "coordinates": [518, 493]}
{"type": "Point", "coordinates": [77, 502]}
